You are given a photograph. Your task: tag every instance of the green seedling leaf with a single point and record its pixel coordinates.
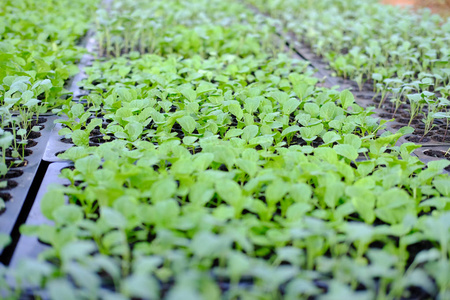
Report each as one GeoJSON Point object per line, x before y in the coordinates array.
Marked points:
{"type": "Point", "coordinates": [134, 130]}
{"type": "Point", "coordinates": [21, 132]}
{"type": "Point", "coordinates": [393, 205]}
{"type": "Point", "coordinates": [438, 165]}
{"type": "Point", "coordinates": [205, 87]}
{"type": "Point", "coordinates": [5, 240]}
{"type": "Point", "coordinates": [187, 123]}
{"type": "Point", "coordinates": [276, 191]}
{"type": "Point", "coordinates": [265, 141]}
{"type": "Point", "coordinates": [303, 90]}
{"type": "Point", "coordinates": [250, 132]}
{"type": "Point", "coordinates": [310, 133]}
{"type": "Point", "coordinates": [61, 289]}
{"type": "Point", "coordinates": [251, 104]}
{"type": "Point", "coordinates": [290, 106]}
{"type": "Point", "coordinates": [365, 168]}
{"type": "Point", "coordinates": [229, 191]}
{"type": "Point", "coordinates": [189, 140]}
{"type": "Point", "coordinates": [123, 71]}
{"type": "Point", "coordinates": [280, 97]}
{"type": "Point", "coordinates": [125, 94]}
{"type": "Point", "coordinates": [88, 165]}
{"type": "Point", "coordinates": [363, 201]}
{"type": "Point", "coordinates": [346, 151]}
{"type": "Point", "coordinates": [32, 102]}
{"type": "Point", "coordinates": [312, 109]}
{"type": "Point", "coordinates": [443, 186]}
{"type": "Point", "coordinates": [328, 111]}
{"type": "Point", "coordinates": [301, 192]}
{"type": "Point", "coordinates": [248, 166]}
{"type": "Point", "coordinates": [113, 218]}
{"type": "Point", "coordinates": [163, 190]}
{"type": "Point", "coordinates": [189, 94]}
{"type": "Point", "coordinates": [77, 250]}
{"type": "Point", "coordinates": [233, 133]}
{"type": "Point", "coordinates": [68, 214]}
{"type": "Point", "coordinates": [26, 96]}
{"type": "Point", "coordinates": [330, 137]}
{"type": "Point", "coordinates": [236, 110]}
{"type": "Point", "coordinates": [141, 286]}
{"type": "Point", "coordinates": [77, 110]}
{"type": "Point", "coordinates": [6, 139]}
{"type": "Point", "coordinates": [297, 211]}
{"type": "Point", "coordinates": [377, 77]}
{"type": "Point", "coordinates": [80, 138]}
{"type": "Point", "coordinates": [51, 201]}
{"type": "Point", "coordinates": [84, 277]}
{"type": "Point", "coordinates": [347, 99]}
{"type": "Point", "coordinates": [290, 129]}
{"type": "Point", "coordinates": [93, 123]}
{"type": "Point", "coordinates": [353, 140]}
{"type": "Point", "coordinates": [201, 193]}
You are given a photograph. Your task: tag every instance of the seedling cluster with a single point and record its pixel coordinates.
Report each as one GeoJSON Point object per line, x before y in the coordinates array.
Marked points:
{"type": "Point", "coordinates": [210, 163]}
{"type": "Point", "coordinates": [38, 53]}
{"type": "Point", "coordinates": [403, 57]}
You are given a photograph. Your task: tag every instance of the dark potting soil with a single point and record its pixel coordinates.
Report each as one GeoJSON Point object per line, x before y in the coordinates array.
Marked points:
{"type": "Point", "coordinates": [12, 173]}
{"type": "Point", "coordinates": [9, 184]}
{"type": "Point", "coordinates": [437, 153]}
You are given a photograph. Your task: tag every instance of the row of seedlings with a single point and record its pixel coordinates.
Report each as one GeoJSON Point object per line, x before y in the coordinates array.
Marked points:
{"type": "Point", "coordinates": [38, 53]}
{"type": "Point", "coordinates": [401, 67]}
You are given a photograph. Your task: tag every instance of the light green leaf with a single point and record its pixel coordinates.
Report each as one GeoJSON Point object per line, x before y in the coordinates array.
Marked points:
{"type": "Point", "coordinates": [312, 109]}
{"type": "Point", "coordinates": [163, 189]}
{"type": "Point", "coordinates": [443, 186]}
{"type": "Point", "coordinates": [112, 217]}
{"type": "Point", "coordinates": [200, 193]}
{"type": "Point", "coordinates": [290, 129]}
{"type": "Point", "coordinates": [290, 106]}
{"type": "Point", "coordinates": [67, 214]}
{"type": "Point", "coordinates": [189, 94]}
{"type": "Point", "coordinates": [51, 201]}
{"type": "Point", "coordinates": [347, 99]}
{"type": "Point", "coordinates": [61, 289]}
{"type": "Point", "coordinates": [346, 151]}
{"type": "Point", "coordinates": [187, 123]}
{"type": "Point", "coordinates": [252, 104]}
{"type": "Point", "coordinates": [87, 165]}
{"type": "Point", "coordinates": [233, 133]}
{"type": "Point", "coordinates": [229, 191]}
{"type": "Point", "coordinates": [236, 110]}
{"type": "Point", "coordinates": [328, 111]}
{"type": "Point", "coordinates": [330, 137]}
{"type": "Point", "coordinates": [250, 132]}
{"type": "Point", "coordinates": [134, 130]}
{"type": "Point", "coordinates": [80, 138]}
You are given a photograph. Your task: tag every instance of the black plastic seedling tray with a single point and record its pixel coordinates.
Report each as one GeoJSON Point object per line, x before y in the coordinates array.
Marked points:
{"type": "Point", "coordinates": [29, 246]}
{"type": "Point", "coordinates": [428, 154]}
{"type": "Point", "coordinates": [29, 174]}
{"type": "Point", "coordinates": [55, 146]}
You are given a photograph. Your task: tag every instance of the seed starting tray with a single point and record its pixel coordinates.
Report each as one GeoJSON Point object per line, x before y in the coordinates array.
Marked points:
{"type": "Point", "coordinates": [29, 173]}
{"type": "Point", "coordinates": [29, 246]}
